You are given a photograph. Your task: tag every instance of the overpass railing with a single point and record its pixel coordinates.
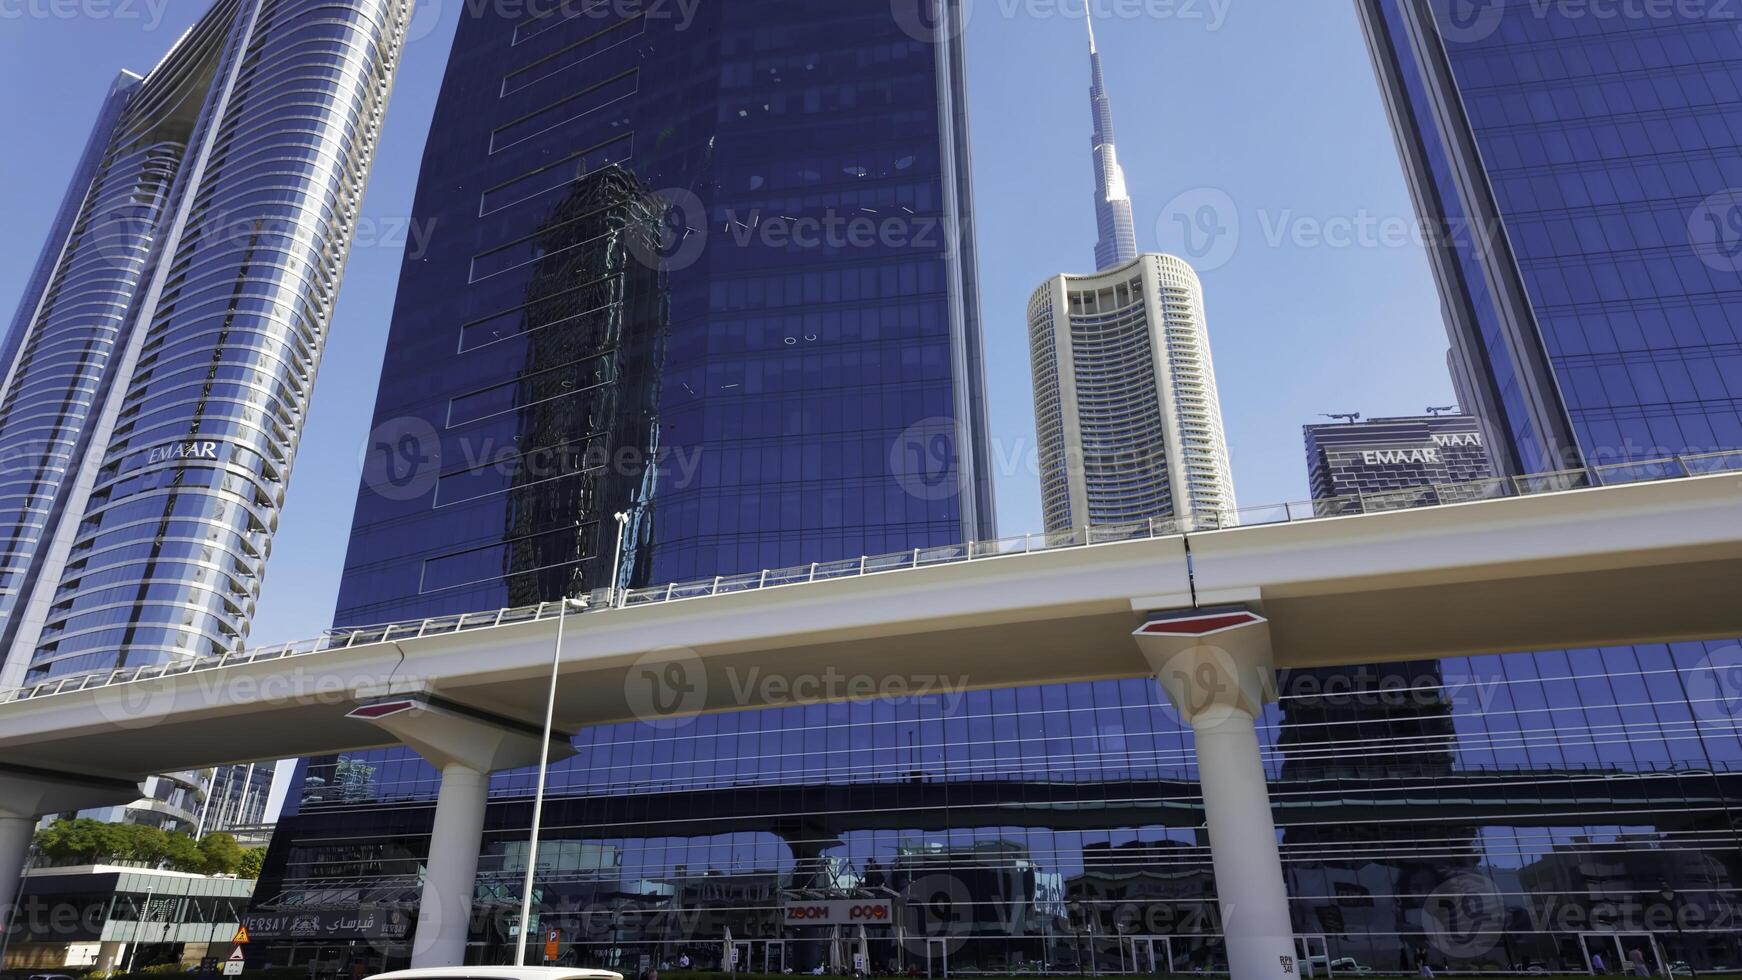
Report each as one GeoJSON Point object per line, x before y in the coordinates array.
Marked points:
{"type": "Point", "coordinates": [1646, 471]}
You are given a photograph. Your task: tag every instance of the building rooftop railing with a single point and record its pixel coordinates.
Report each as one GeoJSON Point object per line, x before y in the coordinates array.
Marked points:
{"type": "Point", "coordinates": [1646, 471]}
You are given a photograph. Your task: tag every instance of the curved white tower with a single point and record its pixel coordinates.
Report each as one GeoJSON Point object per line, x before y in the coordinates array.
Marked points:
{"type": "Point", "coordinates": [1125, 402]}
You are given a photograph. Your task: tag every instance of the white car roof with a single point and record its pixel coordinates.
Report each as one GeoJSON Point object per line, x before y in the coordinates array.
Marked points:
{"type": "Point", "coordinates": [499, 973]}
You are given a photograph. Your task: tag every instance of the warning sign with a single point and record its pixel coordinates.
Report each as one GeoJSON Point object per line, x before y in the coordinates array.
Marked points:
{"type": "Point", "coordinates": [233, 965]}
{"type": "Point", "coordinates": [241, 936]}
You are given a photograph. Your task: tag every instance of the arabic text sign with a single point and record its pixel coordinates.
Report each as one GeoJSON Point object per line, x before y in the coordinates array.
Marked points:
{"type": "Point", "coordinates": [345, 924]}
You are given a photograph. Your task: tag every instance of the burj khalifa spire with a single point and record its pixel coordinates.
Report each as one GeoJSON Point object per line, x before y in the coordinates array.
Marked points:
{"type": "Point", "coordinates": [1117, 242]}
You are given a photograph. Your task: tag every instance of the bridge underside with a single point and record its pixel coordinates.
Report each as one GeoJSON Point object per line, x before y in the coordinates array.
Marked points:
{"type": "Point", "coordinates": [1647, 563]}
{"type": "Point", "coordinates": [297, 707]}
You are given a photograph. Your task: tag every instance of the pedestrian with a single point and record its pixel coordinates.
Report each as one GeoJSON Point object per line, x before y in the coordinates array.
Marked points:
{"type": "Point", "coordinates": [1638, 958]}
{"type": "Point", "coordinates": [1597, 966]}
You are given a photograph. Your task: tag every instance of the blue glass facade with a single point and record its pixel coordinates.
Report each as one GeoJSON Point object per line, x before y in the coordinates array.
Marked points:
{"type": "Point", "coordinates": [1577, 162]}
{"type": "Point", "coordinates": [1492, 810]}
{"type": "Point", "coordinates": [777, 363]}
{"type": "Point", "coordinates": [1574, 164]}
{"type": "Point", "coordinates": [711, 269]}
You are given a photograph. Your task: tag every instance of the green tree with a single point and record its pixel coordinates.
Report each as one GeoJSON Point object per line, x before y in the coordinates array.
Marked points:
{"type": "Point", "coordinates": [148, 845]}
{"type": "Point", "coordinates": [87, 841]}
{"type": "Point", "coordinates": [253, 861]}
{"type": "Point", "coordinates": [220, 854]}
{"type": "Point", "coordinates": [83, 840]}
{"type": "Point", "coordinates": [182, 853]}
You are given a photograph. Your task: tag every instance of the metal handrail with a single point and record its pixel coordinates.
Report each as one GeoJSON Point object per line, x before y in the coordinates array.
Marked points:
{"type": "Point", "coordinates": [1666, 469]}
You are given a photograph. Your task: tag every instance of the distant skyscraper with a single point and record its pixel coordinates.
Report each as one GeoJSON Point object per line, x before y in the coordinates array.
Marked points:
{"type": "Point", "coordinates": [237, 797]}
{"type": "Point", "coordinates": [1125, 404]}
{"type": "Point", "coordinates": [1117, 241]}
{"type": "Point", "coordinates": [158, 371]}
{"type": "Point", "coordinates": [1396, 456]}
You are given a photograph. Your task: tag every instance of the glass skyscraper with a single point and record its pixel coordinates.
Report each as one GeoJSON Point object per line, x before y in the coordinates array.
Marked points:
{"type": "Point", "coordinates": [1574, 165]}
{"type": "Point", "coordinates": [159, 367]}
{"type": "Point", "coordinates": [1577, 168]}
{"type": "Point", "coordinates": [160, 364]}
{"type": "Point", "coordinates": [711, 270]}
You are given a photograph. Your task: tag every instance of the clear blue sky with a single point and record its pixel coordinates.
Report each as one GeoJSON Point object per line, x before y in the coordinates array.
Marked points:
{"type": "Point", "coordinates": [1265, 120]}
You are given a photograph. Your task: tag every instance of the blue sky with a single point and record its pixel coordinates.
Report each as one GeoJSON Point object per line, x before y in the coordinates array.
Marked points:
{"type": "Point", "coordinates": [1257, 122]}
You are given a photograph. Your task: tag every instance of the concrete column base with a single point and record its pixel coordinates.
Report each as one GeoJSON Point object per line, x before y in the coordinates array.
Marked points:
{"type": "Point", "coordinates": [28, 794]}
{"type": "Point", "coordinates": [1218, 671]}
{"type": "Point", "coordinates": [15, 834]}
{"type": "Point", "coordinates": [466, 745]}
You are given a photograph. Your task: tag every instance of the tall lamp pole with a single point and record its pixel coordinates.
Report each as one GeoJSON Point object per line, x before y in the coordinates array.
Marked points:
{"type": "Point", "coordinates": [612, 597]}
{"type": "Point", "coordinates": [556, 659]}
{"type": "Point", "coordinates": [1670, 900]}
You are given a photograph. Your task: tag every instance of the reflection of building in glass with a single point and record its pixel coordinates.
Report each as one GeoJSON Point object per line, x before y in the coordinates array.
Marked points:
{"type": "Point", "coordinates": [1144, 904]}
{"type": "Point", "coordinates": [810, 397]}
{"type": "Point", "coordinates": [588, 430]}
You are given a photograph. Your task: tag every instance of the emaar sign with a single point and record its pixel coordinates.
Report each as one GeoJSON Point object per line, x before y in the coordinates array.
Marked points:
{"type": "Point", "coordinates": [181, 452]}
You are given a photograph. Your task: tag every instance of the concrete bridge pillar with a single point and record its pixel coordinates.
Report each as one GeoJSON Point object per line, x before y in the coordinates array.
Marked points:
{"type": "Point", "coordinates": [1217, 668]}
{"type": "Point", "coordinates": [15, 835]}
{"type": "Point", "coordinates": [467, 745]}
{"type": "Point", "coordinates": [26, 795]}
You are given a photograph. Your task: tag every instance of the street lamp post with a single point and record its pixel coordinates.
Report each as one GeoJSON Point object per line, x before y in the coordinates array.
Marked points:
{"type": "Point", "coordinates": [556, 659]}
{"type": "Point", "coordinates": [1672, 901]}
{"type": "Point", "coordinates": [622, 517]}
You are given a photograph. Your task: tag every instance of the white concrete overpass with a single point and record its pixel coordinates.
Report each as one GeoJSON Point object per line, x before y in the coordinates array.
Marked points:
{"type": "Point", "coordinates": [1647, 562]}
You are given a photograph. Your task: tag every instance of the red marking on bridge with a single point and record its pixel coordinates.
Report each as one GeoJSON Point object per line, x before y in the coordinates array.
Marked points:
{"type": "Point", "coordinates": [381, 709]}
{"type": "Point", "coordinates": [1200, 624]}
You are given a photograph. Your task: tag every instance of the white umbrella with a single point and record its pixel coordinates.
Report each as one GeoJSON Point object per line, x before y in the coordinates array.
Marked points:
{"type": "Point", "coordinates": [864, 952]}
{"type": "Point", "coordinates": [726, 953]}
{"type": "Point", "coordinates": [835, 950]}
